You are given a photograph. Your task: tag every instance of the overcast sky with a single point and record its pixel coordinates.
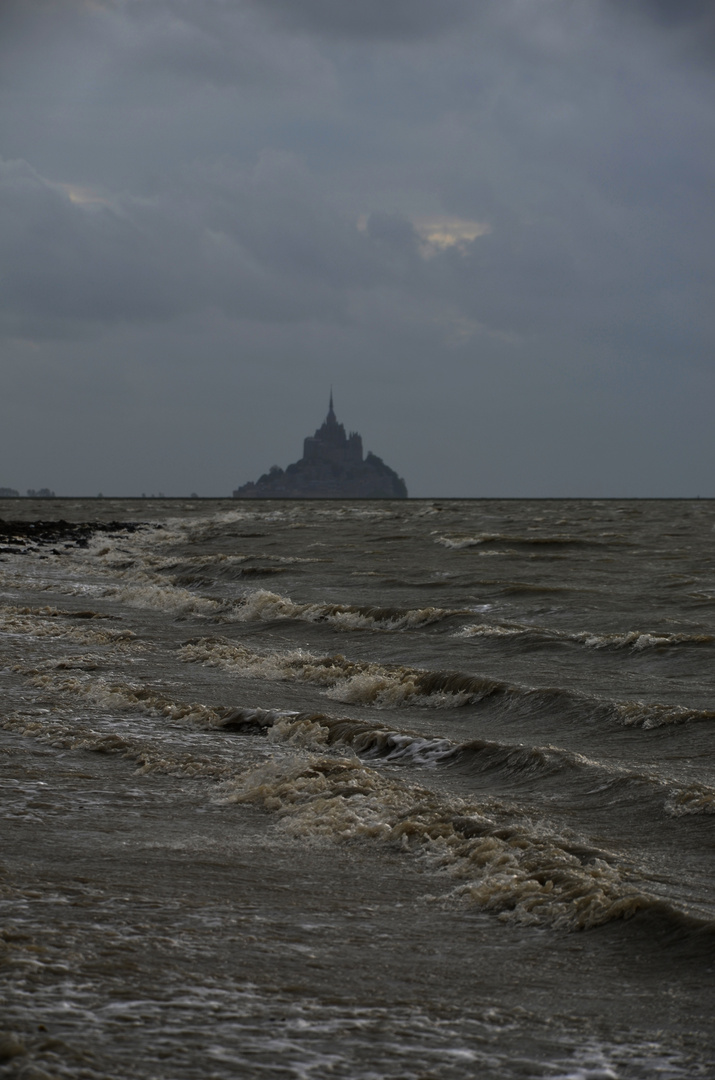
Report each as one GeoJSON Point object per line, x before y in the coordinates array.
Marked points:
{"type": "Point", "coordinates": [488, 223]}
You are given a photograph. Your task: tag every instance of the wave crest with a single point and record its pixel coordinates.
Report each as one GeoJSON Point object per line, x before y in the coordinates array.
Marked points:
{"type": "Point", "coordinates": [363, 683]}
{"type": "Point", "coordinates": [266, 606]}
{"type": "Point", "coordinates": [507, 866]}
{"type": "Point", "coordinates": [633, 640]}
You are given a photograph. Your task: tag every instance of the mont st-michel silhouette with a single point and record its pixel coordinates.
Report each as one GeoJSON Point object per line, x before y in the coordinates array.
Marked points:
{"type": "Point", "coordinates": [332, 467]}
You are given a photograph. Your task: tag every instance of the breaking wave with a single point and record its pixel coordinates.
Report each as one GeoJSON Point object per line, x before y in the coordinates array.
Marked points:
{"type": "Point", "coordinates": [268, 606]}
{"type": "Point", "coordinates": [374, 742]}
{"type": "Point", "coordinates": [148, 749]}
{"type": "Point", "coordinates": [505, 864]}
{"type": "Point", "coordinates": [364, 683]}
{"type": "Point", "coordinates": [633, 640]}
{"type": "Point", "coordinates": [147, 592]}
{"type": "Point", "coordinates": [49, 622]}
{"type": "Point", "coordinates": [458, 543]}
{"type": "Point", "coordinates": [167, 598]}
{"type": "Point", "coordinates": [344, 680]}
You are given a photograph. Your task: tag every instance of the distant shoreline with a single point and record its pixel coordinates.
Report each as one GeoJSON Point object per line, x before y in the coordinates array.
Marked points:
{"type": "Point", "coordinates": [232, 500]}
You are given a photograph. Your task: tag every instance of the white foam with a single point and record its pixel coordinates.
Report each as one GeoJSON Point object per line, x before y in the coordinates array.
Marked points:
{"type": "Point", "coordinates": [649, 715]}
{"type": "Point", "coordinates": [372, 743]}
{"type": "Point", "coordinates": [168, 598]}
{"type": "Point", "coordinates": [695, 799]}
{"type": "Point", "coordinates": [49, 622]}
{"type": "Point", "coordinates": [635, 640]}
{"type": "Point", "coordinates": [417, 751]}
{"type": "Point", "coordinates": [353, 682]}
{"type": "Point", "coordinates": [519, 872]}
{"type": "Point", "coordinates": [263, 605]}
{"type": "Point", "coordinates": [457, 543]}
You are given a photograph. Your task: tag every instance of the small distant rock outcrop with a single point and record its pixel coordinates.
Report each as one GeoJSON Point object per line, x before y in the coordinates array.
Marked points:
{"type": "Point", "coordinates": [332, 467]}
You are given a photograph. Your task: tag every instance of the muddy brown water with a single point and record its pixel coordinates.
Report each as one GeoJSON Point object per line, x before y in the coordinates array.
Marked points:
{"type": "Point", "coordinates": [364, 789]}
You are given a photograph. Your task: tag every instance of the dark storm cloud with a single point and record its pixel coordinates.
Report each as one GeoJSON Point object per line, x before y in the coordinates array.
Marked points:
{"type": "Point", "coordinates": [560, 178]}
{"type": "Point", "coordinates": [265, 243]}
{"type": "Point", "coordinates": [689, 24]}
{"type": "Point", "coordinates": [677, 12]}
{"type": "Point", "coordinates": [212, 42]}
{"type": "Point", "coordinates": [370, 19]}
{"type": "Point", "coordinates": [137, 47]}
{"type": "Point", "coordinates": [258, 243]}
{"type": "Point", "coordinates": [515, 195]}
{"type": "Point", "coordinates": [81, 260]}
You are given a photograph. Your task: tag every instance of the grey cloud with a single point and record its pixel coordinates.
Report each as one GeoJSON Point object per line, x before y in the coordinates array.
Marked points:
{"type": "Point", "coordinates": [261, 243]}
{"type": "Point", "coordinates": [688, 24]}
{"type": "Point", "coordinates": [258, 243]}
{"type": "Point", "coordinates": [64, 261]}
{"type": "Point", "coordinates": [369, 19]}
{"type": "Point", "coordinates": [265, 243]}
{"type": "Point", "coordinates": [137, 47]}
{"type": "Point", "coordinates": [214, 43]}
{"type": "Point", "coordinates": [281, 216]}
{"type": "Point", "coordinates": [677, 12]}
{"type": "Point", "coordinates": [202, 45]}
{"type": "Point", "coordinates": [557, 280]}
{"type": "Point", "coordinates": [393, 230]}
{"type": "Point", "coordinates": [31, 29]}
{"type": "Point", "coordinates": [268, 169]}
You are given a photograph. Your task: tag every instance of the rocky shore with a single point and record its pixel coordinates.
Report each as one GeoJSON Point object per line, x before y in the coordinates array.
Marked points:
{"type": "Point", "coordinates": [24, 537]}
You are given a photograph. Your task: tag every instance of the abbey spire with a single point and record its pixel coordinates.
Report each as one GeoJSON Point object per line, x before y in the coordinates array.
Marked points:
{"type": "Point", "coordinates": [332, 467]}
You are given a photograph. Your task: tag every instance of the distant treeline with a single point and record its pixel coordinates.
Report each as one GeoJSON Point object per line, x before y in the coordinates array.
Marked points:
{"type": "Point", "coordinates": [11, 493]}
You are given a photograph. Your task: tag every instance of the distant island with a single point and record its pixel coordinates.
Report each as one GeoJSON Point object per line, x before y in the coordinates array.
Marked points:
{"type": "Point", "coordinates": [332, 467]}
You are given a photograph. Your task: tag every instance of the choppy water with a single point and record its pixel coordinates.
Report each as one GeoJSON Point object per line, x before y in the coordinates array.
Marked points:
{"type": "Point", "coordinates": [322, 789]}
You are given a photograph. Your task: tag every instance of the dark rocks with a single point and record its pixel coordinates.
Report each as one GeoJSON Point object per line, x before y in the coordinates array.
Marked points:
{"type": "Point", "coordinates": [19, 536]}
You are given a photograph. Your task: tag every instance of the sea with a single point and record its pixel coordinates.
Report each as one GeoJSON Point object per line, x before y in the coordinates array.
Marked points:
{"type": "Point", "coordinates": [316, 789]}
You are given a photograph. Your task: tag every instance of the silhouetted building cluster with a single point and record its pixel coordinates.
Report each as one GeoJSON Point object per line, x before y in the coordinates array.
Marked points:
{"type": "Point", "coordinates": [332, 467]}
